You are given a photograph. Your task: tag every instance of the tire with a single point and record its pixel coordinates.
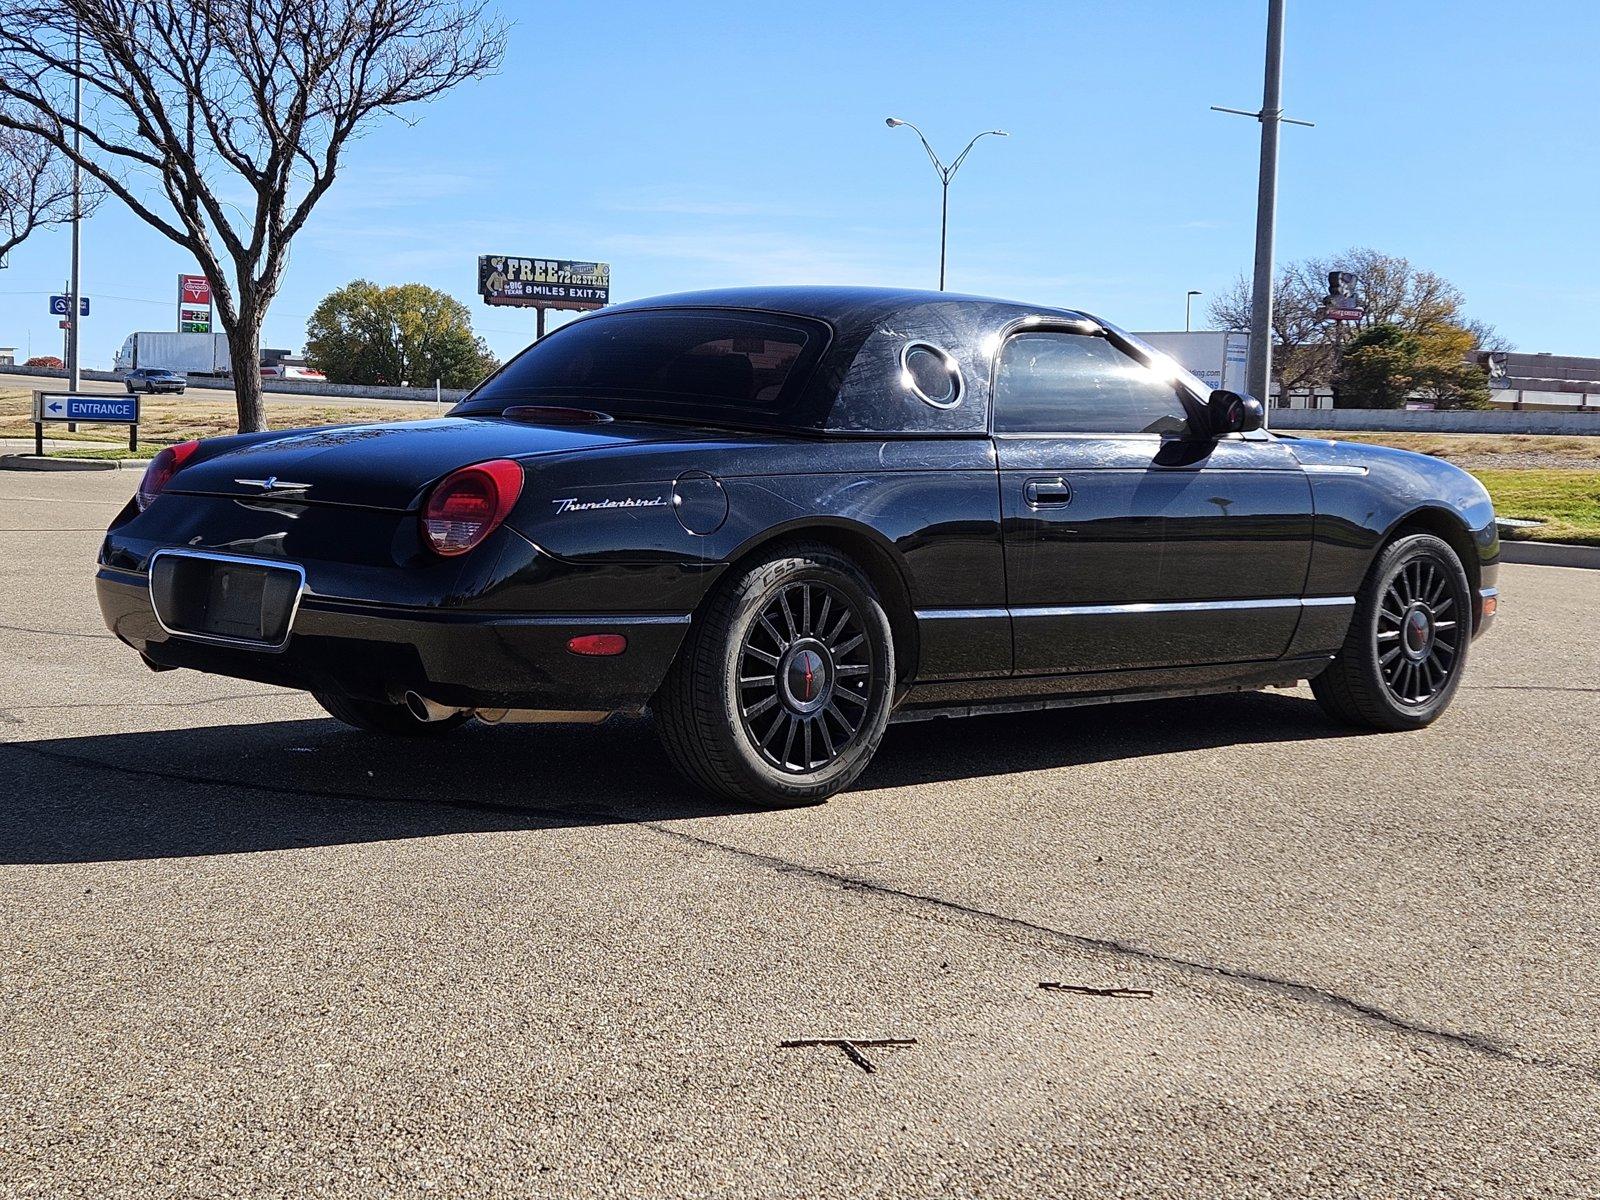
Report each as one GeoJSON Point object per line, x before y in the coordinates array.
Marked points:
{"type": "Point", "coordinates": [1406, 648]}
{"type": "Point", "coordinates": [769, 711]}
{"type": "Point", "coordinates": [376, 717]}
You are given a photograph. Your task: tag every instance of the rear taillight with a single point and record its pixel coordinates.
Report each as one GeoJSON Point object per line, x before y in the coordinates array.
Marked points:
{"type": "Point", "coordinates": [468, 505]}
{"type": "Point", "coordinates": [161, 470]}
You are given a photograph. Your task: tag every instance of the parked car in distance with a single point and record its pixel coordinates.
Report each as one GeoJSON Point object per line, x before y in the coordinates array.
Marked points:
{"type": "Point", "coordinates": [154, 380]}
{"type": "Point", "coordinates": [782, 518]}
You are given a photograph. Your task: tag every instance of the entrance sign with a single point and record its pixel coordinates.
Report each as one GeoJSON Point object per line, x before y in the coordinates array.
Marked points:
{"type": "Point", "coordinates": [87, 409]}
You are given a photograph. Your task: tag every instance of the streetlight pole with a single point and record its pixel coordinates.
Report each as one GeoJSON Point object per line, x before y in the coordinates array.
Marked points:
{"type": "Point", "coordinates": [1188, 299]}
{"type": "Point", "coordinates": [1259, 377]}
{"type": "Point", "coordinates": [946, 174]}
{"type": "Point", "coordinates": [74, 284]}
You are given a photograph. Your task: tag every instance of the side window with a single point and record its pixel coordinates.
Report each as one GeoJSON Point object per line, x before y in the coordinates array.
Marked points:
{"type": "Point", "coordinates": [1076, 383]}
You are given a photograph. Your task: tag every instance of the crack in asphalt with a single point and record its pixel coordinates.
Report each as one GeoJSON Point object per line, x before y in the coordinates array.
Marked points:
{"type": "Point", "coordinates": [16, 708]}
{"type": "Point", "coordinates": [1523, 687]}
{"type": "Point", "coordinates": [57, 632]}
{"type": "Point", "coordinates": [1290, 989]}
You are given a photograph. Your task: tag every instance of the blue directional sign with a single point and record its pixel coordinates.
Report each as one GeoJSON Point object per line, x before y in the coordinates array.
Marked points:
{"type": "Point", "coordinates": [118, 410]}
{"type": "Point", "coordinates": [61, 305]}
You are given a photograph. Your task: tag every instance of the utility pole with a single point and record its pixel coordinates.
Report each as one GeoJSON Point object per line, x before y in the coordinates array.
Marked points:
{"type": "Point", "coordinates": [75, 283]}
{"type": "Point", "coordinates": [1259, 376]}
{"type": "Point", "coordinates": [1188, 301]}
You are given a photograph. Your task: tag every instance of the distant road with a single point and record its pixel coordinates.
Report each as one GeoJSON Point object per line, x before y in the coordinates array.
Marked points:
{"type": "Point", "coordinates": [36, 382]}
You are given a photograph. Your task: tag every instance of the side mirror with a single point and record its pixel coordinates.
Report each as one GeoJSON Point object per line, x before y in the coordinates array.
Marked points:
{"type": "Point", "coordinates": [1232, 413]}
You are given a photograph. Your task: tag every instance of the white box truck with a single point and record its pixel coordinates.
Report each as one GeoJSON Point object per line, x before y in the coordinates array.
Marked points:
{"type": "Point", "coordinates": [1217, 356]}
{"type": "Point", "coordinates": [182, 353]}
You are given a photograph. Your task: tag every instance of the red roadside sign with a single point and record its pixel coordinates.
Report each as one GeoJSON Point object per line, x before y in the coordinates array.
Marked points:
{"type": "Point", "coordinates": [194, 289]}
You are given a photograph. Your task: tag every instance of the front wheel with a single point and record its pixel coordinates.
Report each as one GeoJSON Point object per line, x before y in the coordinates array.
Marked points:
{"type": "Point", "coordinates": [782, 690]}
{"type": "Point", "coordinates": [1405, 651]}
{"type": "Point", "coordinates": [374, 716]}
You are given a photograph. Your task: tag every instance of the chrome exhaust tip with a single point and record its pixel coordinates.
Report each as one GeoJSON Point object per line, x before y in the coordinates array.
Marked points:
{"type": "Point", "coordinates": [427, 710]}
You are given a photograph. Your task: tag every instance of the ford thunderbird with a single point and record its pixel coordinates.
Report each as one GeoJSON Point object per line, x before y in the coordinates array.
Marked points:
{"type": "Point", "coordinates": [779, 519]}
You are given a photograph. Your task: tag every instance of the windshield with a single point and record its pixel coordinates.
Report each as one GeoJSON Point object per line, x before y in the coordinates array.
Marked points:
{"type": "Point", "coordinates": [727, 365]}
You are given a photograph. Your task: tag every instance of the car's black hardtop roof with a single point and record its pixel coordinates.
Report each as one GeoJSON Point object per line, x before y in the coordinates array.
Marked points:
{"type": "Point", "coordinates": [838, 305]}
{"type": "Point", "coordinates": [856, 384]}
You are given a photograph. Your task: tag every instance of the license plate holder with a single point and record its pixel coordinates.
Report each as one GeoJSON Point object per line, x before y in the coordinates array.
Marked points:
{"type": "Point", "coordinates": [226, 599]}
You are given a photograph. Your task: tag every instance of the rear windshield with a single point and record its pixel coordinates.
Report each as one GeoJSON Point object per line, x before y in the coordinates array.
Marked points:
{"type": "Point", "coordinates": [721, 365]}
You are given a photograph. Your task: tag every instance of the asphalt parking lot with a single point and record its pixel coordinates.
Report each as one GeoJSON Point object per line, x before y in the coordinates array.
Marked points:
{"type": "Point", "coordinates": [245, 951]}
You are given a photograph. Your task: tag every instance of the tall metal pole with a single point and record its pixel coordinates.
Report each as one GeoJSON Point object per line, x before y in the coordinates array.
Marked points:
{"type": "Point", "coordinates": [1259, 376]}
{"type": "Point", "coordinates": [1188, 302]}
{"type": "Point", "coordinates": [944, 227]}
{"type": "Point", "coordinates": [74, 284]}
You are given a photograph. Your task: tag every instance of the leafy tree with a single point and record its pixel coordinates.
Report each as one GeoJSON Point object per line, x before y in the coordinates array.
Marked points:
{"type": "Point", "coordinates": [221, 123]}
{"type": "Point", "coordinates": [1380, 367]}
{"type": "Point", "coordinates": [1392, 292]}
{"type": "Point", "coordinates": [364, 333]}
{"type": "Point", "coordinates": [1385, 365]}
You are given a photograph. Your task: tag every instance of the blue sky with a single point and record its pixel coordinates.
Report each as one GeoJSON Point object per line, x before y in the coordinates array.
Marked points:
{"type": "Point", "coordinates": [704, 144]}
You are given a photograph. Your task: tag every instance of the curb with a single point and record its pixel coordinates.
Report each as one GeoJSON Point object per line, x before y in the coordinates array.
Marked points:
{"type": "Point", "coordinates": [1550, 554]}
{"type": "Point", "coordinates": [32, 462]}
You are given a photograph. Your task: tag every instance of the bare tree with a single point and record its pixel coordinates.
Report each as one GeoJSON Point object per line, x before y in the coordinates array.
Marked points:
{"type": "Point", "coordinates": [221, 122]}
{"type": "Point", "coordinates": [1389, 290]}
{"type": "Point", "coordinates": [1302, 356]}
{"type": "Point", "coordinates": [35, 188]}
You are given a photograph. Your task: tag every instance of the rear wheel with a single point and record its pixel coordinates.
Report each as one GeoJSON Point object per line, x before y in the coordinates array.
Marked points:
{"type": "Point", "coordinates": [1407, 645]}
{"type": "Point", "coordinates": [782, 691]}
{"type": "Point", "coordinates": [377, 717]}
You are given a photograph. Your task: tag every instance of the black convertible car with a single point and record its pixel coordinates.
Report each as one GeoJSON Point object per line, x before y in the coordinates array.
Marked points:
{"type": "Point", "coordinates": [781, 518]}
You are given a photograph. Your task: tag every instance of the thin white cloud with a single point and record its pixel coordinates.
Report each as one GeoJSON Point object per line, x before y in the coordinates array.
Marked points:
{"type": "Point", "coordinates": [664, 202]}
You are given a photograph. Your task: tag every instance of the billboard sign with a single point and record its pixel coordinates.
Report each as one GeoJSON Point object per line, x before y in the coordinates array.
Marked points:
{"type": "Point", "coordinates": [543, 282]}
{"type": "Point", "coordinates": [1342, 304]}
{"type": "Point", "coordinates": [194, 304]}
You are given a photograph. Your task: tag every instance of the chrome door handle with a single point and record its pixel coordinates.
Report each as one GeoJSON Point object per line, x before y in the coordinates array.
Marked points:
{"type": "Point", "coordinates": [1047, 493]}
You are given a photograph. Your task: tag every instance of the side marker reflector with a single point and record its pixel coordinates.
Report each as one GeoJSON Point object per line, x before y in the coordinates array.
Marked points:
{"type": "Point", "coordinates": [598, 645]}
{"type": "Point", "coordinates": [1490, 604]}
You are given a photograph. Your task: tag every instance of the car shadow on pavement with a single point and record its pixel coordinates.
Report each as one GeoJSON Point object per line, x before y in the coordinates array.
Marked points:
{"type": "Point", "coordinates": [279, 785]}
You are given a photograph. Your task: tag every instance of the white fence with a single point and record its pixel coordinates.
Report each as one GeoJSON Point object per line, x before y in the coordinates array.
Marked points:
{"type": "Point", "coordinates": [1393, 420]}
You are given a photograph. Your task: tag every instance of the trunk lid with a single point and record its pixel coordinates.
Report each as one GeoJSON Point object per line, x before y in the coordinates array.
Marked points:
{"type": "Point", "coordinates": [388, 466]}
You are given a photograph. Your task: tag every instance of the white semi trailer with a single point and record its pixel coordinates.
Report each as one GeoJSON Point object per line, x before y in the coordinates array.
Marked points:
{"type": "Point", "coordinates": [1218, 357]}
{"type": "Point", "coordinates": [183, 353]}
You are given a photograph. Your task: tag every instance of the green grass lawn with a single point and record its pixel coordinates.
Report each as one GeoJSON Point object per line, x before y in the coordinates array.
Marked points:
{"type": "Point", "coordinates": [1567, 501]}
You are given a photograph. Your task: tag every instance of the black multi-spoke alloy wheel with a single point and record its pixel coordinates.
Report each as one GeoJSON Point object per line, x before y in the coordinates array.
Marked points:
{"type": "Point", "coordinates": [1407, 645]}
{"type": "Point", "coordinates": [782, 690]}
{"type": "Point", "coordinates": [376, 717]}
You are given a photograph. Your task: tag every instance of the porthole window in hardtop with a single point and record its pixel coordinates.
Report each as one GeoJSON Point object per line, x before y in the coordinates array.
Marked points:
{"type": "Point", "coordinates": [932, 374]}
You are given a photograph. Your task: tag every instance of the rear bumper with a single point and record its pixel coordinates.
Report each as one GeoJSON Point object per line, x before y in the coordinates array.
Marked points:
{"type": "Point", "coordinates": [463, 658]}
